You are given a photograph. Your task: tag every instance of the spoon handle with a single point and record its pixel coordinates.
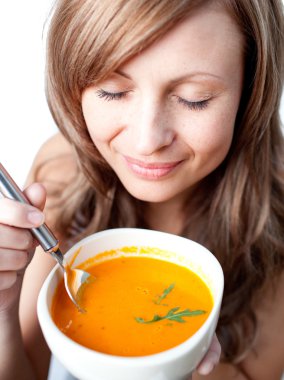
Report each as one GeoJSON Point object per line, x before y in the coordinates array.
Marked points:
{"type": "Point", "coordinates": [10, 189]}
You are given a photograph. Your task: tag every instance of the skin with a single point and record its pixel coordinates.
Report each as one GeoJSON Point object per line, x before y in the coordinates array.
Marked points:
{"type": "Point", "coordinates": [165, 119]}
{"type": "Point", "coordinates": [169, 149]}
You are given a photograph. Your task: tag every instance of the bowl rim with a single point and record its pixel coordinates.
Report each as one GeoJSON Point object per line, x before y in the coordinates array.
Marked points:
{"type": "Point", "coordinates": [168, 355]}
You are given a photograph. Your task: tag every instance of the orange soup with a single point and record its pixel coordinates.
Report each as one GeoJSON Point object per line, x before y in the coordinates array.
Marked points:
{"type": "Point", "coordinates": [137, 306]}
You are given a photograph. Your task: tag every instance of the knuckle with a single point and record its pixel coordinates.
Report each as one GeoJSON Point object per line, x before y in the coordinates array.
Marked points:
{"type": "Point", "coordinates": [13, 260]}
{"type": "Point", "coordinates": [7, 280]}
{"type": "Point", "coordinates": [212, 358]}
{"type": "Point", "coordinates": [15, 238]}
{"type": "Point", "coordinates": [25, 240]}
{"type": "Point", "coordinates": [216, 346]}
{"type": "Point", "coordinates": [22, 240]}
{"type": "Point", "coordinates": [20, 260]}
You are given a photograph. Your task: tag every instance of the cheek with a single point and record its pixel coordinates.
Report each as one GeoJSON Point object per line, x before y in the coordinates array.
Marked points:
{"type": "Point", "coordinates": [101, 121]}
{"type": "Point", "coordinates": [101, 129]}
{"type": "Point", "coordinates": [211, 136]}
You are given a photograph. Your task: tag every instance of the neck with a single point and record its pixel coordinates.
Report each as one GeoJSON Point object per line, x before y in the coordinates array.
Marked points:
{"type": "Point", "coordinates": [166, 216]}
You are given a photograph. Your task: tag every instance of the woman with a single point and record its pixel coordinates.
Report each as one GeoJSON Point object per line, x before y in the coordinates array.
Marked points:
{"type": "Point", "coordinates": [168, 112]}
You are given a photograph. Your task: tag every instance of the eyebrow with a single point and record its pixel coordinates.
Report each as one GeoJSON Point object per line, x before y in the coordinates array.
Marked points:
{"type": "Point", "coordinates": [119, 72]}
{"type": "Point", "coordinates": [183, 78]}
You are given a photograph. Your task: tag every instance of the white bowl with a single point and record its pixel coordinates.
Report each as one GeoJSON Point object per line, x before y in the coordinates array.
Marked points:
{"type": "Point", "coordinates": [174, 364]}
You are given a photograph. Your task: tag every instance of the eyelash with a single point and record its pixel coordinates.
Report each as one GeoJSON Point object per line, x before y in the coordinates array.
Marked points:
{"type": "Point", "coordinates": [111, 95]}
{"type": "Point", "coordinates": [194, 106]}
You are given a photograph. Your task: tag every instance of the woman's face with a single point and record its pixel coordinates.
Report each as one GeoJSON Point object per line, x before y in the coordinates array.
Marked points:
{"type": "Point", "coordinates": [165, 119]}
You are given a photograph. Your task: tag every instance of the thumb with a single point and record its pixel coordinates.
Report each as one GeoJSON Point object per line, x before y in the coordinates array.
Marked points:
{"type": "Point", "coordinates": [36, 194]}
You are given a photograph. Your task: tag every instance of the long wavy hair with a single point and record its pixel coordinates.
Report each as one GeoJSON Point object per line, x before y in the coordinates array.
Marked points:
{"type": "Point", "coordinates": [239, 212]}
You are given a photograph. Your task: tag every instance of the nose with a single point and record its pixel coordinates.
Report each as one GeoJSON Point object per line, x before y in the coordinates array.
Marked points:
{"type": "Point", "coordinates": [151, 128]}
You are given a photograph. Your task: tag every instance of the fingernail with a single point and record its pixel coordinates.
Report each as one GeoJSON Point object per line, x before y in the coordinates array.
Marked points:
{"type": "Point", "coordinates": [36, 218]}
{"type": "Point", "coordinates": [205, 368]}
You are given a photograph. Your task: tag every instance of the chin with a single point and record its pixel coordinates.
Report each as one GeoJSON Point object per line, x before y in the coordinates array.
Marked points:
{"type": "Point", "coordinates": [150, 194]}
{"type": "Point", "coordinates": [152, 199]}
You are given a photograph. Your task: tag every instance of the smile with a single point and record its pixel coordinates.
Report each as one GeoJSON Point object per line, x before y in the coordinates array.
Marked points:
{"type": "Point", "coordinates": [153, 170]}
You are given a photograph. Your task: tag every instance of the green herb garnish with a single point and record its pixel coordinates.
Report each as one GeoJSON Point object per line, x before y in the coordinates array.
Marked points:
{"type": "Point", "coordinates": [164, 295]}
{"type": "Point", "coordinates": [173, 315]}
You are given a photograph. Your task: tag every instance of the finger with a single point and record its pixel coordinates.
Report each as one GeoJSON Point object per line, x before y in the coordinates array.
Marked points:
{"type": "Point", "coordinates": [14, 213]}
{"type": "Point", "coordinates": [12, 260]}
{"type": "Point", "coordinates": [7, 280]}
{"type": "Point", "coordinates": [15, 238]}
{"type": "Point", "coordinates": [36, 195]}
{"type": "Point", "coordinates": [211, 358]}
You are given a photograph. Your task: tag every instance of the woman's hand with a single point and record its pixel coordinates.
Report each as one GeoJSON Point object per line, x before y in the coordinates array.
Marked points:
{"type": "Point", "coordinates": [17, 244]}
{"type": "Point", "coordinates": [211, 359]}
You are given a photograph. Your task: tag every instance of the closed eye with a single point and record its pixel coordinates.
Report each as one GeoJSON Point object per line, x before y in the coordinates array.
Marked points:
{"type": "Point", "coordinates": [110, 95]}
{"type": "Point", "coordinates": [194, 106]}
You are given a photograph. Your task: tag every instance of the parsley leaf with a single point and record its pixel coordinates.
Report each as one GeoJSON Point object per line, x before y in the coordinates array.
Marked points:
{"type": "Point", "coordinates": [173, 315]}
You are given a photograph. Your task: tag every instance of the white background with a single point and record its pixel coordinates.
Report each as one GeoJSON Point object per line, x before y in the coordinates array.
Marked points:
{"type": "Point", "coordinates": [25, 122]}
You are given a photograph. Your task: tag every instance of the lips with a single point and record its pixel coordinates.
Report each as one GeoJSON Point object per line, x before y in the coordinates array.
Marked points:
{"type": "Point", "coordinates": [151, 170]}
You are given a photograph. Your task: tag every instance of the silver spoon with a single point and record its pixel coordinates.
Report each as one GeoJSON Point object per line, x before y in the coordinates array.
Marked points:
{"type": "Point", "coordinates": [74, 279]}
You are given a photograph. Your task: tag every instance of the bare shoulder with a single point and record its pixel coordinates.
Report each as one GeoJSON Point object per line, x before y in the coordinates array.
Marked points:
{"type": "Point", "coordinates": [57, 144]}
{"type": "Point", "coordinates": [55, 160]}
{"type": "Point", "coordinates": [266, 359]}
{"type": "Point", "coordinates": [55, 167]}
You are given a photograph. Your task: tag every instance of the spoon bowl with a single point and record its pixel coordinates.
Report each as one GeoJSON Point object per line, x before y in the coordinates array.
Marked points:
{"type": "Point", "coordinates": [74, 279]}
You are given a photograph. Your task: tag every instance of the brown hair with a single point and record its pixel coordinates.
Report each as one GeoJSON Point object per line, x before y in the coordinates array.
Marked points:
{"type": "Point", "coordinates": [239, 214]}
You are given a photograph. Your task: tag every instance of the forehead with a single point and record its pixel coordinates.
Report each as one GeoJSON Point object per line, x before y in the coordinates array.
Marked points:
{"type": "Point", "coordinates": [208, 38]}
